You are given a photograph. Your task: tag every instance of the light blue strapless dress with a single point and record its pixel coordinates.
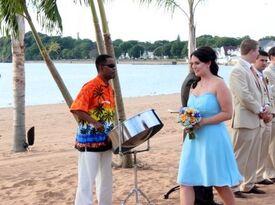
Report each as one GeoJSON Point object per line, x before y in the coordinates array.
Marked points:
{"type": "Point", "coordinates": [208, 160]}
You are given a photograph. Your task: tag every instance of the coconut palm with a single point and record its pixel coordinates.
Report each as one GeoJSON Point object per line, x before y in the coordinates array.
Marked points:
{"type": "Point", "coordinates": [50, 20]}
{"type": "Point", "coordinates": [99, 39]}
{"type": "Point", "coordinates": [110, 50]}
{"type": "Point", "coordinates": [171, 5]}
{"type": "Point", "coordinates": [106, 46]}
{"type": "Point", "coordinates": [17, 46]}
{"type": "Point", "coordinates": [18, 60]}
{"type": "Point", "coordinates": [126, 159]}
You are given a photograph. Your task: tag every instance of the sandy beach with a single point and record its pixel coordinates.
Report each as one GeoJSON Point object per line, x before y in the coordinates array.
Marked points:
{"type": "Point", "coordinates": [47, 174]}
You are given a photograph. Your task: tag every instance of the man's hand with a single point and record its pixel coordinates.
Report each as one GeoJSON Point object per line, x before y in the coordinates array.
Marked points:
{"type": "Point", "coordinates": [98, 126]}
{"type": "Point", "coordinates": [266, 115]}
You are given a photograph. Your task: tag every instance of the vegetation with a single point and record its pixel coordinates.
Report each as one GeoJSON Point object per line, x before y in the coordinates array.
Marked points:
{"type": "Point", "coordinates": [49, 18]}
{"type": "Point", "coordinates": [61, 48]}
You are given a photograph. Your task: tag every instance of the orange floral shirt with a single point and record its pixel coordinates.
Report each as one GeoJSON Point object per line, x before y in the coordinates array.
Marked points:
{"type": "Point", "coordinates": [97, 99]}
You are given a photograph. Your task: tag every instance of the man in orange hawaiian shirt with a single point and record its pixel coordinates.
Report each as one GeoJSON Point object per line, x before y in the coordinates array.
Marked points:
{"type": "Point", "coordinates": [95, 109]}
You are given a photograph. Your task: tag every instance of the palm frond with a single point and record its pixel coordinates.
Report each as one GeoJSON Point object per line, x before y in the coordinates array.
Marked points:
{"type": "Point", "coordinates": [168, 5]}
{"type": "Point", "coordinates": [48, 15]}
{"type": "Point", "coordinates": [85, 2]}
{"type": "Point", "coordinates": [8, 12]}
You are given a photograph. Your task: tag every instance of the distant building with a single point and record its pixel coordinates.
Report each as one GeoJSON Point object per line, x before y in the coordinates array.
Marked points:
{"type": "Point", "coordinates": [231, 50]}
{"type": "Point", "coordinates": [225, 54]}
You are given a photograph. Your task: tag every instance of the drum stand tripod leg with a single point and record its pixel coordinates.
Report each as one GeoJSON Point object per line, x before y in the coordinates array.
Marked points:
{"type": "Point", "coordinates": [136, 190]}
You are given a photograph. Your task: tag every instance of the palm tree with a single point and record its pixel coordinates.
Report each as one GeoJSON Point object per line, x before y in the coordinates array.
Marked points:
{"type": "Point", "coordinates": [172, 5]}
{"type": "Point", "coordinates": [126, 159]}
{"type": "Point", "coordinates": [18, 59]}
{"type": "Point", "coordinates": [110, 50]}
{"type": "Point", "coordinates": [50, 19]}
{"type": "Point", "coordinates": [106, 46]}
{"type": "Point", "coordinates": [99, 39]}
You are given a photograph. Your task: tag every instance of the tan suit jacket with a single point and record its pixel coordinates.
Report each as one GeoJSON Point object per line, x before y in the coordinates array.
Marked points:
{"type": "Point", "coordinates": [269, 73]}
{"type": "Point", "coordinates": [247, 99]}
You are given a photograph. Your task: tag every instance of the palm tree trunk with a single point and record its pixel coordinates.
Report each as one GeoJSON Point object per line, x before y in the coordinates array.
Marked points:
{"type": "Point", "coordinates": [192, 34]}
{"type": "Point", "coordinates": [18, 59]}
{"type": "Point", "coordinates": [126, 159]}
{"type": "Point", "coordinates": [111, 52]}
{"type": "Point", "coordinates": [48, 61]}
{"type": "Point", "coordinates": [99, 40]}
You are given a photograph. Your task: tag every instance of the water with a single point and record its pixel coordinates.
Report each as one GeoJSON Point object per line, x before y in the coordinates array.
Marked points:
{"type": "Point", "coordinates": [135, 80]}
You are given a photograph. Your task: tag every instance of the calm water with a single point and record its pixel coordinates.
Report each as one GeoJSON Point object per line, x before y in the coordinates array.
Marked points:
{"type": "Point", "coordinates": [135, 80]}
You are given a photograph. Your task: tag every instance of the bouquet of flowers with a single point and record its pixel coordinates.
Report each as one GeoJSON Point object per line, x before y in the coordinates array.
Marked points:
{"type": "Point", "coordinates": [189, 117]}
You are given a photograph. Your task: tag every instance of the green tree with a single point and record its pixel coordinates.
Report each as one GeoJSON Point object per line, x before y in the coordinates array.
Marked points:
{"type": "Point", "coordinates": [268, 38]}
{"type": "Point", "coordinates": [176, 48]}
{"type": "Point", "coordinates": [5, 49]}
{"type": "Point", "coordinates": [136, 51]}
{"type": "Point", "coordinates": [184, 52]}
{"type": "Point", "coordinates": [125, 47]}
{"type": "Point", "coordinates": [118, 51]}
{"type": "Point", "coordinates": [167, 49]}
{"type": "Point", "coordinates": [159, 51]}
{"type": "Point", "coordinates": [117, 42]}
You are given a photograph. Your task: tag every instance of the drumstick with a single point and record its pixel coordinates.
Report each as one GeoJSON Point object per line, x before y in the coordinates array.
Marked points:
{"type": "Point", "coordinates": [172, 111]}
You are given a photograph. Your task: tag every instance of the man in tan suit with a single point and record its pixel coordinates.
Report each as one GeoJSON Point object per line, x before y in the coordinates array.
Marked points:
{"type": "Point", "coordinates": [248, 115]}
{"type": "Point", "coordinates": [260, 65]}
{"type": "Point", "coordinates": [269, 73]}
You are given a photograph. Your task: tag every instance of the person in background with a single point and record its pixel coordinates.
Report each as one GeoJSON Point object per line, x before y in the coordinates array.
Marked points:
{"type": "Point", "coordinates": [248, 116]}
{"type": "Point", "coordinates": [260, 64]}
{"type": "Point", "coordinates": [203, 195]}
{"type": "Point", "coordinates": [269, 74]}
{"type": "Point", "coordinates": [208, 160]}
{"type": "Point", "coordinates": [94, 107]}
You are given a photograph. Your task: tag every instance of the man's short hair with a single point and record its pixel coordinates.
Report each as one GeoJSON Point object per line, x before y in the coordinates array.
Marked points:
{"type": "Point", "coordinates": [101, 59]}
{"type": "Point", "coordinates": [271, 52]}
{"type": "Point", "coordinates": [262, 53]}
{"type": "Point", "coordinates": [247, 45]}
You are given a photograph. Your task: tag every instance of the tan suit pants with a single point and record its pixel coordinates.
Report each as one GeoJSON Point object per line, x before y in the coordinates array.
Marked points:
{"type": "Point", "coordinates": [247, 147]}
{"type": "Point", "coordinates": [270, 162]}
{"type": "Point", "coordinates": [265, 136]}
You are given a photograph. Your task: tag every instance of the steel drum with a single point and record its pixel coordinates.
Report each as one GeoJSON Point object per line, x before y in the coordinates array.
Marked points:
{"type": "Point", "coordinates": [134, 131]}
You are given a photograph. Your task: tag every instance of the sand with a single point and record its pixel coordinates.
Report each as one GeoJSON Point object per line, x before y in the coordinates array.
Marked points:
{"type": "Point", "coordinates": [47, 174]}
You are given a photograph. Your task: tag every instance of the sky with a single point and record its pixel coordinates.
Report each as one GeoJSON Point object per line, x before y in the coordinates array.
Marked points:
{"type": "Point", "coordinates": [129, 20]}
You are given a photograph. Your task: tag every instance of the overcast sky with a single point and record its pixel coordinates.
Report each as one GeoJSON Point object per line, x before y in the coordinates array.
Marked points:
{"type": "Point", "coordinates": [130, 21]}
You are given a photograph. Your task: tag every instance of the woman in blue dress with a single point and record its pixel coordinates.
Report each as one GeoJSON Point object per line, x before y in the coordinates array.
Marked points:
{"type": "Point", "coordinates": [208, 160]}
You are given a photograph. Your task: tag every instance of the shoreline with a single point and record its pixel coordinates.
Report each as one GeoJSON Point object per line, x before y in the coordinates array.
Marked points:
{"type": "Point", "coordinates": [131, 62]}
{"type": "Point", "coordinates": [134, 62]}
{"type": "Point", "coordinates": [63, 102]}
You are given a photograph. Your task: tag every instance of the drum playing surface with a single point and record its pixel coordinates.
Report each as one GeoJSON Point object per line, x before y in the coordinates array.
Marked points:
{"type": "Point", "coordinates": [134, 131]}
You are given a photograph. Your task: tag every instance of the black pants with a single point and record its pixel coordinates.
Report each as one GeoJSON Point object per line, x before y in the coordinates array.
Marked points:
{"type": "Point", "coordinates": [203, 195]}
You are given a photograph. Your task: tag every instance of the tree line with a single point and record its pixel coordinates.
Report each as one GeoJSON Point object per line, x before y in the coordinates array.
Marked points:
{"type": "Point", "coordinates": [68, 48]}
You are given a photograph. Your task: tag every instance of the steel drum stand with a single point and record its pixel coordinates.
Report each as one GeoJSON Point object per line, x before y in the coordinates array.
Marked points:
{"type": "Point", "coordinates": [136, 190]}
